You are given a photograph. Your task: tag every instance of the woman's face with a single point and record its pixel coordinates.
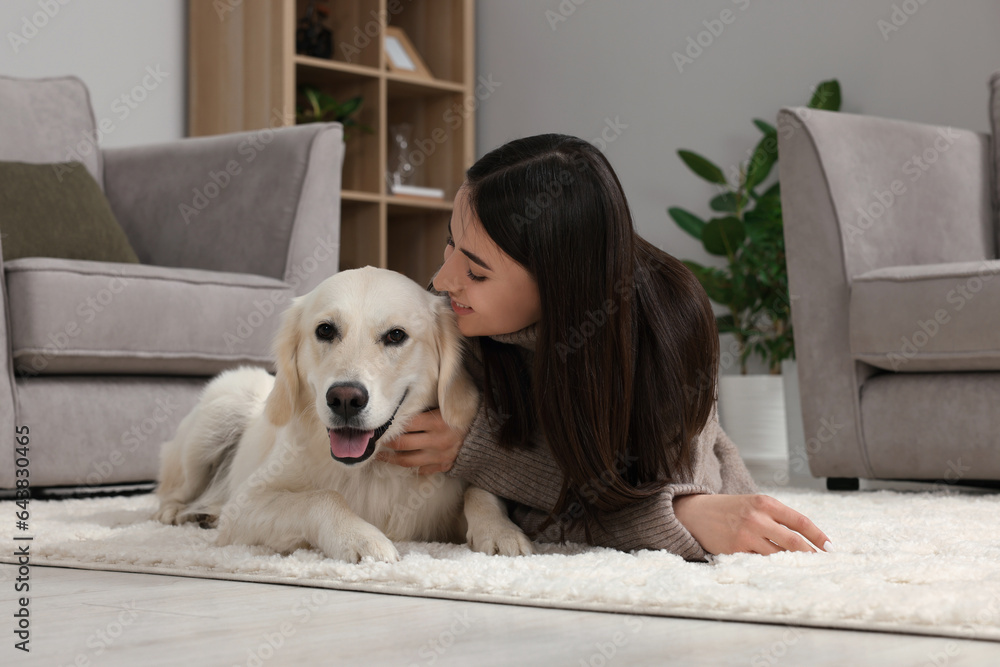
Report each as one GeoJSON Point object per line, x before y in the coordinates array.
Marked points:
{"type": "Point", "coordinates": [490, 292]}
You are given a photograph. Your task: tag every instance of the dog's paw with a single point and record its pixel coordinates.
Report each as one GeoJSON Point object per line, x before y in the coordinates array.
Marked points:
{"type": "Point", "coordinates": [361, 543]}
{"type": "Point", "coordinates": [501, 541]}
{"type": "Point", "coordinates": [169, 509]}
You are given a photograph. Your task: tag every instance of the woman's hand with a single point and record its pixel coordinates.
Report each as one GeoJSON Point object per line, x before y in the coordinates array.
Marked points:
{"type": "Point", "coordinates": [428, 444]}
{"type": "Point", "coordinates": [726, 524]}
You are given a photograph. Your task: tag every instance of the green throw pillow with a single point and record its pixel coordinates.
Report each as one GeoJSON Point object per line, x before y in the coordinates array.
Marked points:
{"type": "Point", "coordinates": [58, 210]}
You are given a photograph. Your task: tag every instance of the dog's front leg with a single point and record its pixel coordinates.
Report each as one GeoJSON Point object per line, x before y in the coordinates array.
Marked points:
{"type": "Point", "coordinates": [490, 530]}
{"type": "Point", "coordinates": [283, 520]}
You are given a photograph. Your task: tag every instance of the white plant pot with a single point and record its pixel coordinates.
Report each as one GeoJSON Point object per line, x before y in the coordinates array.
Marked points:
{"type": "Point", "coordinates": [752, 413]}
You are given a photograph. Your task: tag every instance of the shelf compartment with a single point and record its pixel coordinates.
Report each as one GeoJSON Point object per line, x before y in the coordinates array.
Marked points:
{"type": "Point", "coordinates": [441, 32]}
{"type": "Point", "coordinates": [352, 25]}
{"type": "Point", "coordinates": [418, 241]}
{"type": "Point", "coordinates": [438, 138]}
{"type": "Point", "coordinates": [362, 168]}
{"type": "Point", "coordinates": [362, 235]}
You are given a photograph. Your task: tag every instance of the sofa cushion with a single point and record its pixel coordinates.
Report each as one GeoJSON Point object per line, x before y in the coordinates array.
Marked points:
{"type": "Point", "coordinates": [76, 316]}
{"type": "Point", "coordinates": [58, 210]}
{"type": "Point", "coordinates": [49, 120]}
{"type": "Point", "coordinates": [927, 318]}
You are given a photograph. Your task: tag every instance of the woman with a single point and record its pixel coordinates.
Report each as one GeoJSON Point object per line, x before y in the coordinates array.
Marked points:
{"type": "Point", "coordinates": [597, 354]}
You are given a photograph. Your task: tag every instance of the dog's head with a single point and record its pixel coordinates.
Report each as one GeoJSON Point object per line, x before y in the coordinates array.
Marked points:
{"type": "Point", "coordinates": [364, 351]}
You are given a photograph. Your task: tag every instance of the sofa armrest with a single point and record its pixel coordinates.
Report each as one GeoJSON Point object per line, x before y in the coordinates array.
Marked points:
{"type": "Point", "coordinates": [265, 202]}
{"type": "Point", "coordinates": [903, 193]}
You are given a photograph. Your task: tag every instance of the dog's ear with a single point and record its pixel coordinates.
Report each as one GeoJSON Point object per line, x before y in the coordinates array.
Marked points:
{"type": "Point", "coordinates": [284, 397]}
{"type": "Point", "coordinates": [458, 396]}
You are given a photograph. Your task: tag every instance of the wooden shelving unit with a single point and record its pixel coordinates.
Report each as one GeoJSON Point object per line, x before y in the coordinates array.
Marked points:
{"type": "Point", "coordinates": [244, 75]}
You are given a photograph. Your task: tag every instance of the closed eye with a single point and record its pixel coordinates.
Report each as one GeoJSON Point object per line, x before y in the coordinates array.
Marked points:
{"type": "Point", "coordinates": [472, 276]}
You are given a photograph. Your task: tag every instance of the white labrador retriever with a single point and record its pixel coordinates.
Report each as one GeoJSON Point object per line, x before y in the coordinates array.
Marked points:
{"type": "Point", "coordinates": [287, 461]}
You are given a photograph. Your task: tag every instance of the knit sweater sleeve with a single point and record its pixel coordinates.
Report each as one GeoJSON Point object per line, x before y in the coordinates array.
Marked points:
{"type": "Point", "coordinates": [736, 477]}
{"type": "Point", "coordinates": [532, 479]}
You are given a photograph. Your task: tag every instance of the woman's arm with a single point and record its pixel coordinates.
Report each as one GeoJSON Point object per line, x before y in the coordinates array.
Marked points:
{"type": "Point", "coordinates": [533, 479]}
{"type": "Point", "coordinates": [691, 520]}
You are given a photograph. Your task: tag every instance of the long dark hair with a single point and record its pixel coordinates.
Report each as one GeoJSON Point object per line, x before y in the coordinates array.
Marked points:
{"type": "Point", "coordinates": [627, 348]}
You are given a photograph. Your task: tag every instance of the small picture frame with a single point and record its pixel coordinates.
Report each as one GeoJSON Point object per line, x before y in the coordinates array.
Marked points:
{"type": "Point", "coordinates": [401, 57]}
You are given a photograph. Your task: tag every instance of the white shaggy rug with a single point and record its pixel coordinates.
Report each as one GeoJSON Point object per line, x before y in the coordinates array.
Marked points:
{"type": "Point", "coordinates": [925, 563]}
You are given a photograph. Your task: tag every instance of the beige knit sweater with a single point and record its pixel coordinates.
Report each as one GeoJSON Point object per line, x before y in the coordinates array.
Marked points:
{"type": "Point", "coordinates": [532, 479]}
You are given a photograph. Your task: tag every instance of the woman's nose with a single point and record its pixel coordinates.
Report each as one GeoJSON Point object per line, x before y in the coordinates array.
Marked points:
{"type": "Point", "coordinates": [443, 280]}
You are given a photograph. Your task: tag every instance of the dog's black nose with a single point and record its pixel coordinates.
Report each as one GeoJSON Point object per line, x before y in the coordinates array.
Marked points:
{"type": "Point", "coordinates": [346, 398]}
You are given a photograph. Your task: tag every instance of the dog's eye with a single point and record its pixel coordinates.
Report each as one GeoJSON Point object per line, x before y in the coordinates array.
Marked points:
{"type": "Point", "coordinates": [395, 337]}
{"type": "Point", "coordinates": [326, 331]}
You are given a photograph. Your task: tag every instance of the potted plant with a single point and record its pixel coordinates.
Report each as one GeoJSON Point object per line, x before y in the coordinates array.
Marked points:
{"type": "Point", "coordinates": [322, 107]}
{"type": "Point", "coordinates": [753, 286]}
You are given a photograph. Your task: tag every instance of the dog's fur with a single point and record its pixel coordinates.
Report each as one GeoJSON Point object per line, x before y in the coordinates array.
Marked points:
{"type": "Point", "coordinates": [256, 458]}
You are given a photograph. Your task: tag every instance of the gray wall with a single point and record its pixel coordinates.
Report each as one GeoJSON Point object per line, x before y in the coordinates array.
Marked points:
{"type": "Point", "coordinates": [109, 44]}
{"type": "Point", "coordinates": [609, 59]}
{"type": "Point", "coordinates": [614, 59]}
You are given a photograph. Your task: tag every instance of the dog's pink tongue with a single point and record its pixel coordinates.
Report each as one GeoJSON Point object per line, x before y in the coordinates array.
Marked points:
{"type": "Point", "coordinates": [349, 444]}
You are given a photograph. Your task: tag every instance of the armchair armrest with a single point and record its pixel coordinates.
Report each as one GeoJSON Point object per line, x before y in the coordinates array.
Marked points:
{"type": "Point", "coordinates": [265, 202]}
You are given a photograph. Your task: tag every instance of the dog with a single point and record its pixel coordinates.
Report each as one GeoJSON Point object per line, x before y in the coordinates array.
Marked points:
{"type": "Point", "coordinates": [287, 461]}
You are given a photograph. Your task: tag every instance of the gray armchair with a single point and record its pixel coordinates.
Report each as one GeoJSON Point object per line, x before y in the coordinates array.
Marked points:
{"type": "Point", "coordinates": [102, 360]}
{"type": "Point", "coordinates": [891, 245]}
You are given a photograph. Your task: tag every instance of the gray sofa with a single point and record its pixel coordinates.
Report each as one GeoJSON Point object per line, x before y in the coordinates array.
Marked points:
{"type": "Point", "coordinates": [102, 360]}
{"type": "Point", "coordinates": [891, 244]}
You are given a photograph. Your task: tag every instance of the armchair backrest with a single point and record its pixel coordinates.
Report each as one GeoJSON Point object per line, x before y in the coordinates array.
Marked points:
{"type": "Point", "coordinates": [48, 120]}
{"type": "Point", "coordinates": [900, 193]}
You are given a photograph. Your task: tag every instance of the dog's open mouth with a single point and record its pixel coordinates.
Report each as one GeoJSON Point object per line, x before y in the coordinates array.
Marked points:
{"type": "Point", "coordinates": [351, 445]}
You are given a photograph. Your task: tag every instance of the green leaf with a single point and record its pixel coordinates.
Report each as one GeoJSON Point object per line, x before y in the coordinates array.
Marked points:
{"type": "Point", "coordinates": [725, 323]}
{"type": "Point", "coordinates": [764, 126]}
{"type": "Point", "coordinates": [726, 202]}
{"type": "Point", "coordinates": [764, 157]}
{"type": "Point", "coordinates": [689, 222]}
{"type": "Point", "coordinates": [702, 167]}
{"type": "Point", "coordinates": [763, 228]}
{"type": "Point", "coordinates": [826, 96]}
{"type": "Point", "coordinates": [722, 236]}
{"type": "Point", "coordinates": [772, 192]}
{"type": "Point", "coordinates": [715, 282]}
{"type": "Point", "coordinates": [349, 107]}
